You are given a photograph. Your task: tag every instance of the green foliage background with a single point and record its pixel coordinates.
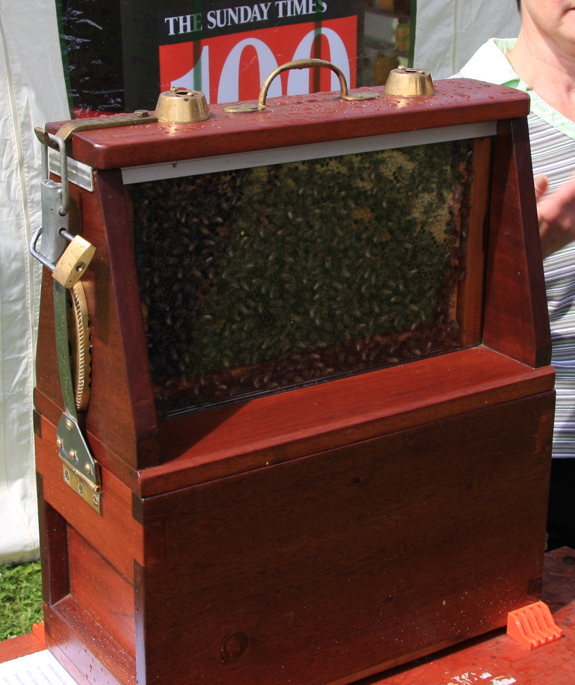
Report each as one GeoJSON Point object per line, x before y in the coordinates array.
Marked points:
{"type": "Point", "coordinates": [20, 598]}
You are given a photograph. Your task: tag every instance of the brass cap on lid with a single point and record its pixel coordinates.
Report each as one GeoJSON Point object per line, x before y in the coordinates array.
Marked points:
{"type": "Point", "coordinates": [408, 83]}
{"type": "Point", "coordinates": [182, 106]}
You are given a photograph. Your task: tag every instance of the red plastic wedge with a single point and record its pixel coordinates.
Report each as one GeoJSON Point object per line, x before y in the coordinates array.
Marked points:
{"type": "Point", "coordinates": [533, 626]}
{"type": "Point", "coordinates": [39, 631]}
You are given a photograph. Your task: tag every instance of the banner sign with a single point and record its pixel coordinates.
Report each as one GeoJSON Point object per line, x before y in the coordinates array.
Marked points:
{"type": "Point", "coordinates": [227, 51]}
{"type": "Point", "coordinates": [120, 54]}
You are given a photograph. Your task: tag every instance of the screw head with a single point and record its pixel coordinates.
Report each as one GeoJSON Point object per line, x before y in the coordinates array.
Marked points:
{"type": "Point", "coordinates": [69, 424]}
{"type": "Point", "coordinates": [59, 442]}
{"type": "Point", "coordinates": [72, 454]}
{"type": "Point", "coordinates": [87, 468]}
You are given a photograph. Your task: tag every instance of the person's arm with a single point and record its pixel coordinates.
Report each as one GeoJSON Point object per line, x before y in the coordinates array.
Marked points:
{"type": "Point", "coordinates": [556, 214]}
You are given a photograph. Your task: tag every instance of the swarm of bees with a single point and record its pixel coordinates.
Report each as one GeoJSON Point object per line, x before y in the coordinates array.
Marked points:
{"type": "Point", "coordinates": [269, 278]}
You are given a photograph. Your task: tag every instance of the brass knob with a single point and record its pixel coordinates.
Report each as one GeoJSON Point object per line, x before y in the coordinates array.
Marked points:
{"type": "Point", "coordinates": [408, 83]}
{"type": "Point", "coordinates": [182, 106]}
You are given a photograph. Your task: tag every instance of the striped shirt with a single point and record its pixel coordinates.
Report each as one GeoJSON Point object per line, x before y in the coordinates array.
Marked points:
{"type": "Point", "coordinates": [552, 139]}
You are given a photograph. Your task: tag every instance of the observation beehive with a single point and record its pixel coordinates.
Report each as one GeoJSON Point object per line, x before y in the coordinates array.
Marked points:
{"type": "Point", "coordinates": [321, 402]}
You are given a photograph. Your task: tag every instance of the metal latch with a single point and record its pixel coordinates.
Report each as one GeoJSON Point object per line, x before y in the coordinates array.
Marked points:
{"type": "Point", "coordinates": [66, 263]}
{"type": "Point", "coordinates": [67, 256]}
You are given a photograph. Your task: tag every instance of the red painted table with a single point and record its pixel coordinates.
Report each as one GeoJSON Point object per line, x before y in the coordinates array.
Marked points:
{"type": "Point", "coordinates": [23, 644]}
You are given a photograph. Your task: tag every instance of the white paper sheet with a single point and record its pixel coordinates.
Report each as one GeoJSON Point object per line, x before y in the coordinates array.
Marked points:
{"type": "Point", "coordinates": [40, 668]}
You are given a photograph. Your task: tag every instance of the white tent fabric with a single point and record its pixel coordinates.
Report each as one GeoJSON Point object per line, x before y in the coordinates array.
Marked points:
{"type": "Point", "coordinates": [32, 91]}
{"type": "Point", "coordinates": [448, 32]}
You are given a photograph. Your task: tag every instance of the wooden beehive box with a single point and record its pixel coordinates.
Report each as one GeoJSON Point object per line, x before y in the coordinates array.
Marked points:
{"type": "Point", "coordinates": [321, 397]}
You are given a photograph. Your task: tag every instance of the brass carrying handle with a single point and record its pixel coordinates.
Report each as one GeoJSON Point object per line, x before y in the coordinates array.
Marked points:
{"type": "Point", "coordinates": [301, 64]}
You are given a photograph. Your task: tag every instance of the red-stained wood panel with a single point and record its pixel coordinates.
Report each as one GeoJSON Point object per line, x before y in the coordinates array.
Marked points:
{"type": "Point", "coordinates": [130, 346]}
{"type": "Point", "coordinates": [102, 591]}
{"type": "Point", "coordinates": [53, 547]}
{"type": "Point", "coordinates": [516, 320]}
{"type": "Point", "coordinates": [84, 649]}
{"type": "Point", "coordinates": [116, 534]}
{"type": "Point", "coordinates": [499, 654]}
{"type": "Point", "coordinates": [324, 568]}
{"type": "Point", "coordinates": [297, 120]}
{"type": "Point", "coordinates": [470, 291]}
{"type": "Point", "coordinates": [110, 415]}
{"type": "Point", "coordinates": [269, 430]}
{"type": "Point", "coordinates": [47, 376]}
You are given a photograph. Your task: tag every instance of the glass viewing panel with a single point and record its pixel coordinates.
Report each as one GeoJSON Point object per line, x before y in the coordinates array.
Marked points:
{"type": "Point", "coordinates": [265, 279]}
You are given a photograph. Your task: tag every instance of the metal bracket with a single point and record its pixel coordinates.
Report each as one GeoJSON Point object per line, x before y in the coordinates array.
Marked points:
{"type": "Point", "coordinates": [55, 205]}
{"type": "Point", "coordinates": [81, 471]}
{"type": "Point", "coordinates": [53, 242]}
{"type": "Point", "coordinates": [80, 174]}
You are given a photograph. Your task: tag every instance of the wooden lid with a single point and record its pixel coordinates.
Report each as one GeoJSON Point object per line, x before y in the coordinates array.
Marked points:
{"type": "Point", "coordinates": [296, 120]}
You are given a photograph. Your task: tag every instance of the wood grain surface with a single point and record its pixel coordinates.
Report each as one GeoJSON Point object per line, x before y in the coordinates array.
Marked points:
{"type": "Point", "coordinates": [241, 437]}
{"type": "Point", "coordinates": [121, 414]}
{"type": "Point", "coordinates": [130, 344]}
{"type": "Point", "coordinates": [116, 534]}
{"type": "Point", "coordinates": [334, 564]}
{"type": "Point", "coordinates": [516, 320]}
{"type": "Point", "coordinates": [53, 548]}
{"type": "Point", "coordinates": [106, 594]}
{"type": "Point", "coordinates": [274, 566]}
{"type": "Point", "coordinates": [470, 291]}
{"type": "Point", "coordinates": [85, 650]}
